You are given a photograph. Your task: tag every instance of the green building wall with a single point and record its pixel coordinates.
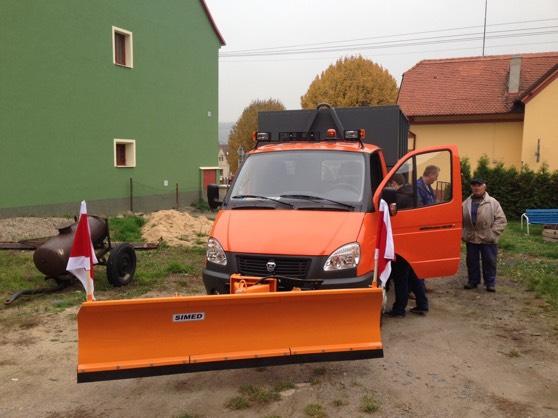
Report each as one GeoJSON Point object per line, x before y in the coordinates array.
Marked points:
{"type": "Point", "coordinates": [63, 102]}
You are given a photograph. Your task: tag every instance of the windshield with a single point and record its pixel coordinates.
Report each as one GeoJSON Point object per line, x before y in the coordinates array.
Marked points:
{"type": "Point", "coordinates": [329, 175]}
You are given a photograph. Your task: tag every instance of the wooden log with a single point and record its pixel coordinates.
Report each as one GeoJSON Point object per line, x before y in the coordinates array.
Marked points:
{"type": "Point", "coordinates": [550, 235]}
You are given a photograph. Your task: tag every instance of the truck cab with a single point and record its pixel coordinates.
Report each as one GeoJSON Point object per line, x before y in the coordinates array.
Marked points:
{"type": "Point", "coordinates": [304, 206]}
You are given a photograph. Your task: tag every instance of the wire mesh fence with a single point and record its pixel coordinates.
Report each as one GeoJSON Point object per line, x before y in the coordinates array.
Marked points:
{"type": "Point", "coordinates": [143, 197]}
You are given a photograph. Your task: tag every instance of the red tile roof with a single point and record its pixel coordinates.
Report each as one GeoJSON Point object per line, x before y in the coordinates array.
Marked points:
{"type": "Point", "coordinates": [469, 86]}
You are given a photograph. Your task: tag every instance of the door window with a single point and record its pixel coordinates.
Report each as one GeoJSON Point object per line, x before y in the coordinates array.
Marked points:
{"type": "Point", "coordinates": [422, 180]}
{"type": "Point", "coordinates": [434, 177]}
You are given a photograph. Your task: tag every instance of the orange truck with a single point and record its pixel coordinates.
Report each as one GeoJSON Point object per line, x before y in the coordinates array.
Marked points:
{"type": "Point", "coordinates": [290, 260]}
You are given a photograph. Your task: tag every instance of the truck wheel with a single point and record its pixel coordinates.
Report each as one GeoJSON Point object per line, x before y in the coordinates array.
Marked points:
{"type": "Point", "coordinates": [121, 265]}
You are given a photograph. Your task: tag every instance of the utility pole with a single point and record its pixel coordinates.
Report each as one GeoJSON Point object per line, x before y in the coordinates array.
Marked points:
{"type": "Point", "coordinates": [484, 33]}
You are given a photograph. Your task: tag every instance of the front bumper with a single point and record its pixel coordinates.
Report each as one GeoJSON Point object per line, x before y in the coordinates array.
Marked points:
{"type": "Point", "coordinates": [218, 281]}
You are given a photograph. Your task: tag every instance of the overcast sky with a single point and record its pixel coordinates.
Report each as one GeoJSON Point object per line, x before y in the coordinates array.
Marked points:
{"type": "Point", "coordinates": [367, 28]}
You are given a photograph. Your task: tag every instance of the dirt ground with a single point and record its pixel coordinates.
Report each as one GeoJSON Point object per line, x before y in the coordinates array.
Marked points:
{"type": "Point", "coordinates": [475, 355]}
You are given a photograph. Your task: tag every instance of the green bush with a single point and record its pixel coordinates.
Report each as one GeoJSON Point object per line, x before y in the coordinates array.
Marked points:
{"type": "Point", "coordinates": [465, 177]}
{"type": "Point", "coordinates": [516, 190]}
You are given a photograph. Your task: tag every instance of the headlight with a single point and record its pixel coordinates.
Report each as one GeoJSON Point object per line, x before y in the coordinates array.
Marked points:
{"type": "Point", "coordinates": [345, 257]}
{"type": "Point", "coordinates": [215, 253]}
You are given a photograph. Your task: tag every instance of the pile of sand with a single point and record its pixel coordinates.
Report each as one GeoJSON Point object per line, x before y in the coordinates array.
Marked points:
{"type": "Point", "coordinates": [176, 228]}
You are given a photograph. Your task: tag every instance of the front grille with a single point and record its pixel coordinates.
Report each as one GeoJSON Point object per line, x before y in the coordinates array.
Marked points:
{"type": "Point", "coordinates": [257, 266]}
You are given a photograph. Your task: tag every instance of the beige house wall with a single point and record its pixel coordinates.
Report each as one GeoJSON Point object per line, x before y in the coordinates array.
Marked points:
{"type": "Point", "coordinates": [541, 122]}
{"type": "Point", "coordinates": [223, 163]}
{"type": "Point", "coordinates": [500, 141]}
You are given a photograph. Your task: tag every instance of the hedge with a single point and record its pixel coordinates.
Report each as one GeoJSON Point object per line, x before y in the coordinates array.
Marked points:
{"type": "Point", "coordinates": [516, 190]}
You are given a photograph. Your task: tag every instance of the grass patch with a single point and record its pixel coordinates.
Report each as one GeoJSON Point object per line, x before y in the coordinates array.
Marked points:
{"type": "Point", "coordinates": [187, 415]}
{"type": "Point", "coordinates": [154, 267]}
{"type": "Point", "coordinates": [314, 380]}
{"type": "Point", "coordinates": [18, 272]}
{"type": "Point", "coordinates": [368, 404]}
{"type": "Point", "coordinates": [314, 410]}
{"type": "Point", "coordinates": [250, 395]}
{"type": "Point", "coordinates": [237, 403]}
{"type": "Point", "coordinates": [282, 386]}
{"type": "Point", "coordinates": [259, 395]}
{"type": "Point", "coordinates": [127, 228]}
{"type": "Point", "coordinates": [537, 274]}
{"type": "Point", "coordinates": [515, 241]}
{"type": "Point", "coordinates": [513, 354]}
{"type": "Point", "coordinates": [68, 300]}
{"type": "Point", "coordinates": [179, 268]}
{"type": "Point", "coordinates": [530, 260]}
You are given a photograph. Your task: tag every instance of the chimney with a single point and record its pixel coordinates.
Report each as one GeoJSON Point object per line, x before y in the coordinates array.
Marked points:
{"type": "Point", "coordinates": [515, 74]}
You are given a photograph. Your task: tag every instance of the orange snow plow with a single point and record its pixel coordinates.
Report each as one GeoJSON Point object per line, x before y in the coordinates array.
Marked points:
{"type": "Point", "coordinates": [253, 326]}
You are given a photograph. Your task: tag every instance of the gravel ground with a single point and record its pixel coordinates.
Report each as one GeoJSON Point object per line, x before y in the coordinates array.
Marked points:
{"type": "Point", "coordinates": [17, 229]}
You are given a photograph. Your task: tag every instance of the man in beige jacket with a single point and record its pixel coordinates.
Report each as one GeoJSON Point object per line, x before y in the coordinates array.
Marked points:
{"type": "Point", "coordinates": [483, 223]}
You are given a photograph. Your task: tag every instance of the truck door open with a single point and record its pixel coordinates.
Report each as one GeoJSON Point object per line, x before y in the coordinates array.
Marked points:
{"type": "Point", "coordinates": [427, 226]}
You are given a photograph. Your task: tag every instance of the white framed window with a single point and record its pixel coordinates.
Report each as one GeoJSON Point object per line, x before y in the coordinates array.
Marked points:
{"type": "Point", "coordinates": [124, 152]}
{"type": "Point", "coordinates": [122, 47]}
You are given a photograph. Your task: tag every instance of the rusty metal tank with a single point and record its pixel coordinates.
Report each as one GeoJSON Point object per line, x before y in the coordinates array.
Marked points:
{"type": "Point", "coordinates": [51, 258]}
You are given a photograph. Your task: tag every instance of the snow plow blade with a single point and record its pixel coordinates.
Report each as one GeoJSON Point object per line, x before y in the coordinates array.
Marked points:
{"type": "Point", "coordinates": [121, 339]}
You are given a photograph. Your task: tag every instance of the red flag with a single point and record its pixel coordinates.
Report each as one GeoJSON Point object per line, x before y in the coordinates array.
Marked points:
{"type": "Point", "coordinates": [82, 255]}
{"type": "Point", "coordinates": [385, 250]}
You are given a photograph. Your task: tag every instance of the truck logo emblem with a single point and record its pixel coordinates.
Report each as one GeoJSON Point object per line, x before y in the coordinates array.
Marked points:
{"type": "Point", "coordinates": [271, 266]}
{"type": "Point", "coordinates": [189, 316]}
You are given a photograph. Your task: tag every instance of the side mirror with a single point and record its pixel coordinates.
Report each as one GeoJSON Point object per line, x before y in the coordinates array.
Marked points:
{"type": "Point", "coordinates": [392, 209]}
{"type": "Point", "coordinates": [213, 196]}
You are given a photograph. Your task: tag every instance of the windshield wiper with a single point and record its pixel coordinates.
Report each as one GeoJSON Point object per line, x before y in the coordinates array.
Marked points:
{"type": "Point", "coordinates": [316, 199]}
{"type": "Point", "coordinates": [255, 196]}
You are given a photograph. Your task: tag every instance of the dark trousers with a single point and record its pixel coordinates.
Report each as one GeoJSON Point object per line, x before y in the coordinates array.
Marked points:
{"type": "Point", "coordinates": [405, 279]}
{"type": "Point", "coordinates": [487, 253]}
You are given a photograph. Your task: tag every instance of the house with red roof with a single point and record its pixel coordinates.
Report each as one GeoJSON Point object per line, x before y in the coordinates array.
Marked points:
{"type": "Point", "coordinates": [502, 106]}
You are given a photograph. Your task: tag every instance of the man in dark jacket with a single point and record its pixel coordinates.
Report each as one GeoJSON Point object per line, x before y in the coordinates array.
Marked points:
{"type": "Point", "coordinates": [403, 190]}
{"type": "Point", "coordinates": [483, 223]}
{"type": "Point", "coordinates": [404, 278]}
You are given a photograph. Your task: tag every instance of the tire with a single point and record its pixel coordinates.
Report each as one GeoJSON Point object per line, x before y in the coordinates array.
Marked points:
{"type": "Point", "coordinates": [121, 265]}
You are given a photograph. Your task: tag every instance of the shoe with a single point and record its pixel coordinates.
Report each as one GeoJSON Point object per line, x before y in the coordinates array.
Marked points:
{"type": "Point", "coordinates": [470, 286]}
{"type": "Point", "coordinates": [490, 289]}
{"type": "Point", "coordinates": [418, 311]}
{"type": "Point", "coordinates": [395, 314]}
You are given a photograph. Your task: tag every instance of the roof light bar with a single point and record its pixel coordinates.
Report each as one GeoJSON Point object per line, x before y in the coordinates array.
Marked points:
{"type": "Point", "coordinates": [261, 136]}
{"type": "Point", "coordinates": [294, 136]}
{"type": "Point", "coordinates": [351, 135]}
{"type": "Point", "coordinates": [358, 134]}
